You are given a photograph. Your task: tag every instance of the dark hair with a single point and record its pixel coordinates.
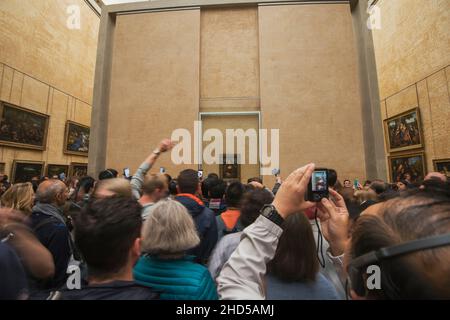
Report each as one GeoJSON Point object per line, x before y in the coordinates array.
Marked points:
{"type": "Point", "coordinates": [108, 174]}
{"type": "Point", "coordinates": [213, 175]}
{"type": "Point", "coordinates": [379, 186]}
{"type": "Point", "coordinates": [86, 184]}
{"type": "Point", "coordinates": [234, 193]}
{"type": "Point", "coordinates": [257, 179]}
{"type": "Point", "coordinates": [217, 188]}
{"type": "Point", "coordinates": [332, 177]}
{"type": "Point", "coordinates": [188, 181]}
{"type": "Point", "coordinates": [105, 231]}
{"type": "Point", "coordinates": [414, 214]}
{"type": "Point", "coordinates": [251, 205]}
{"type": "Point", "coordinates": [173, 187]}
{"type": "Point", "coordinates": [367, 183]}
{"type": "Point", "coordinates": [151, 184]}
{"type": "Point", "coordinates": [295, 258]}
{"type": "Point", "coordinates": [206, 185]}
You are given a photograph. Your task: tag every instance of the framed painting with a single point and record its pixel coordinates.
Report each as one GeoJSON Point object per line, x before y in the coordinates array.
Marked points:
{"type": "Point", "coordinates": [55, 170]}
{"type": "Point", "coordinates": [442, 166]}
{"type": "Point", "coordinates": [76, 139]}
{"type": "Point", "coordinates": [404, 131]}
{"type": "Point", "coordinates": [23, 128]}
{"type": "Point", "coordinates": [229, 167]}
{"type": "Point", "coordinates": [78, 169]}
{"type": "Point", "coordinates": [24, 171]}
{"type": "Point", "coordinates": [410, 167]}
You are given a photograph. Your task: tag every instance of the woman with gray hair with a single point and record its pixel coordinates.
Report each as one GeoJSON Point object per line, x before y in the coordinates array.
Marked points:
{"type": "Point", "coordinates": [168, 233]}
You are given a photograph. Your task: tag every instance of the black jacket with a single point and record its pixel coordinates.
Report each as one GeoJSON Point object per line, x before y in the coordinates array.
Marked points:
{"type": "Point", "coordinates": [52, 232]}
{"type": "Point", "coordinates": [115, 290]}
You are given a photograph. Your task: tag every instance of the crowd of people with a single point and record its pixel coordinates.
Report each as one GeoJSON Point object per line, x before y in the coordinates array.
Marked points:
{"type": "Point", "coordinates": [154, 236]}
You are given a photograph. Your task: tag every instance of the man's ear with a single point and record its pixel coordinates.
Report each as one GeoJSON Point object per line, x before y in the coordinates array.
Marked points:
{"type": "Point", "coordinates": [136, 250]}
{"type": "Point", "coordinates": [178, 189]}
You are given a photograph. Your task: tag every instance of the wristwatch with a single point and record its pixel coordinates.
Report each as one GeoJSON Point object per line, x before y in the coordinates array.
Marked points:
{"type": "Point", "coordinates": [270, 212]}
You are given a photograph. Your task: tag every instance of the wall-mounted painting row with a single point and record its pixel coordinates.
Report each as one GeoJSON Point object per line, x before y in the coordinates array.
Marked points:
{"type": "Point", "coordinates": [25, 170]}
{"type": "Point", "coordinates": [410, 167]}
{"type": "Point", "coordinates": [24, 128]}
{"type": "Point", "coordinates": [404, 131]}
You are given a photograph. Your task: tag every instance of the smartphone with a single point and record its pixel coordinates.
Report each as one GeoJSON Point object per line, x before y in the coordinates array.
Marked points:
{"type": "Point", "coordinates": [126, 172]}
{"type": "Point", "coordinates": [200, 174]}
{"type": "Point", "coordinates": [356, 183]}
{"type": "Point", "coordinates": [318, 185]}
{"type": "Point", "coordinates": [276, 172]}
{"type": "Point", "coordinates": [162, 170]}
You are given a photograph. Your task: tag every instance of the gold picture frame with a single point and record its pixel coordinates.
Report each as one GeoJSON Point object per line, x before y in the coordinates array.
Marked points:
{"type": "Point", "coordinates": [413, 163]}
{"type": "Point", "coordinates": [23, 128]}
{"type": "Point", "coordinates": [56, 169]}
{"type": "Point", "coordinates": [404, 131]}
{"type": "Point", "coordinates": [76, 139]}
{"type": "Point", "coordinates": [24, 170]}
{"type": "Point", "coordinates": [442, 166]}
{"type": "Point", "coordinates": [78, 169]}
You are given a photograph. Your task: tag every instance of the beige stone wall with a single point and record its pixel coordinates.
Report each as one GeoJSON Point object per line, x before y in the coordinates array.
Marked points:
{"type": "Point", "coordinates": [35, 40]}
{"type": "Point", "coordinates": [155, 84]}
{"type": "Point", "coordinates": [229, 59]}
{"type": "Point", "coordinates": [46, 67]}
{"type": "Point", "coordinates": [309, 87]}
{"type": "Point", "coordinates": [295, 63]}
{"type": "Point", "coordinates": [412, 55]}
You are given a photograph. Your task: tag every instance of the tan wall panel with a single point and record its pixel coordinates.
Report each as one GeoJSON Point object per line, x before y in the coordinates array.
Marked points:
{"type": "Point", "coordinates": [36, 40]}
{"type": "Point", "coordinates": [229, 53]}
{"type": "Point", "coordinates": [426, 119]}
{"type": "Point", "coordinates": [58, 107]}
{"type": "Point", "coordinates": [16, 89]}
{"type": "Point", "coordinates": [35, 95]}
{"type": "Point", "coordinates": [155, 84]}
{"type": "Point", "coordinates": [232, 122]}
{"type": "Point", "coordinates": [310, 92]}
{"type": "Point", "coordinates": [440, 113]}
{"type": "Point", "coordinates": [402, 101]}
{"type": "Point", "coordinates": [413, 42]}
{"type": "Point", "coordinates": [7, 78]}
{"type": "Point", "coordinates": [82, 113]}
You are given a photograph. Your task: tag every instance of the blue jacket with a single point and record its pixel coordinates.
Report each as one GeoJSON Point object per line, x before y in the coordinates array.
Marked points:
{"type": "Point", "coordinates": [180, 279]}
{"type": "Point", "coordinates": [205, 221]}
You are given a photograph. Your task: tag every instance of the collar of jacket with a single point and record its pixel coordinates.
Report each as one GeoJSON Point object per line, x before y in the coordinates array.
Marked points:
{"type": "Point", "coordinates": [49, 210]}
{"type": "Point", "coordinates": [191, 196]}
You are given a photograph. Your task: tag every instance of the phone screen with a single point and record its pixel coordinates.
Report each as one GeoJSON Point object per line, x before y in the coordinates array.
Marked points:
{"type": "Point", "coordinates": [319, 181]}
{"type": "Point", "coordinates": [162, 170]}
{"type": "Point", "coordinates": [126, 172]}
{"type": "Point", "coordinates": [200, 173]}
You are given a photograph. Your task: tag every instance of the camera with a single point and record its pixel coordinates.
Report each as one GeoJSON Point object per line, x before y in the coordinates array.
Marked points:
{"type": "Point", "coordinates": [318, 185]}
{"type": "Point", "coordinates": [162, 170]}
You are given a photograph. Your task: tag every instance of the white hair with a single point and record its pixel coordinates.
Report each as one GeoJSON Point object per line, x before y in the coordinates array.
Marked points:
{"type": "Point", "coordinates": [169, 229]}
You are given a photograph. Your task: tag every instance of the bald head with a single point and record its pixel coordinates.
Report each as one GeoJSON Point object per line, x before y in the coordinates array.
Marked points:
{"type": "Point", "coordinates": [52, 192]}
{"type": "Point", "coordinates": [436, 176]}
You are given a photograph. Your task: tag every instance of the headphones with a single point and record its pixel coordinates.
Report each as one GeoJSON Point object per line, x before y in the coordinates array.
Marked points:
{"type": "Point", "coordinates": [357, 267]}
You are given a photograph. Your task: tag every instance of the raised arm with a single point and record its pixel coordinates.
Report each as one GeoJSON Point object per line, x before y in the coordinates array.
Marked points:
{"type": "Point", "coordinates": [242, 276]}
{"type": "Point", "coordinates": [138, 178]}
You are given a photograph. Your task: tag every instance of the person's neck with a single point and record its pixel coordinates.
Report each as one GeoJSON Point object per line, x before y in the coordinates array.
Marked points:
{"type": "Point", "coordinates": [125, 275]}
{"type": "Point", "coordinates": [146, 199]}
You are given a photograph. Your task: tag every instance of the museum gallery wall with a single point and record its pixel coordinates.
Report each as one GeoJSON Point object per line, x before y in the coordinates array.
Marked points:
{"type": "Point", "coordinates": [43, 73]}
